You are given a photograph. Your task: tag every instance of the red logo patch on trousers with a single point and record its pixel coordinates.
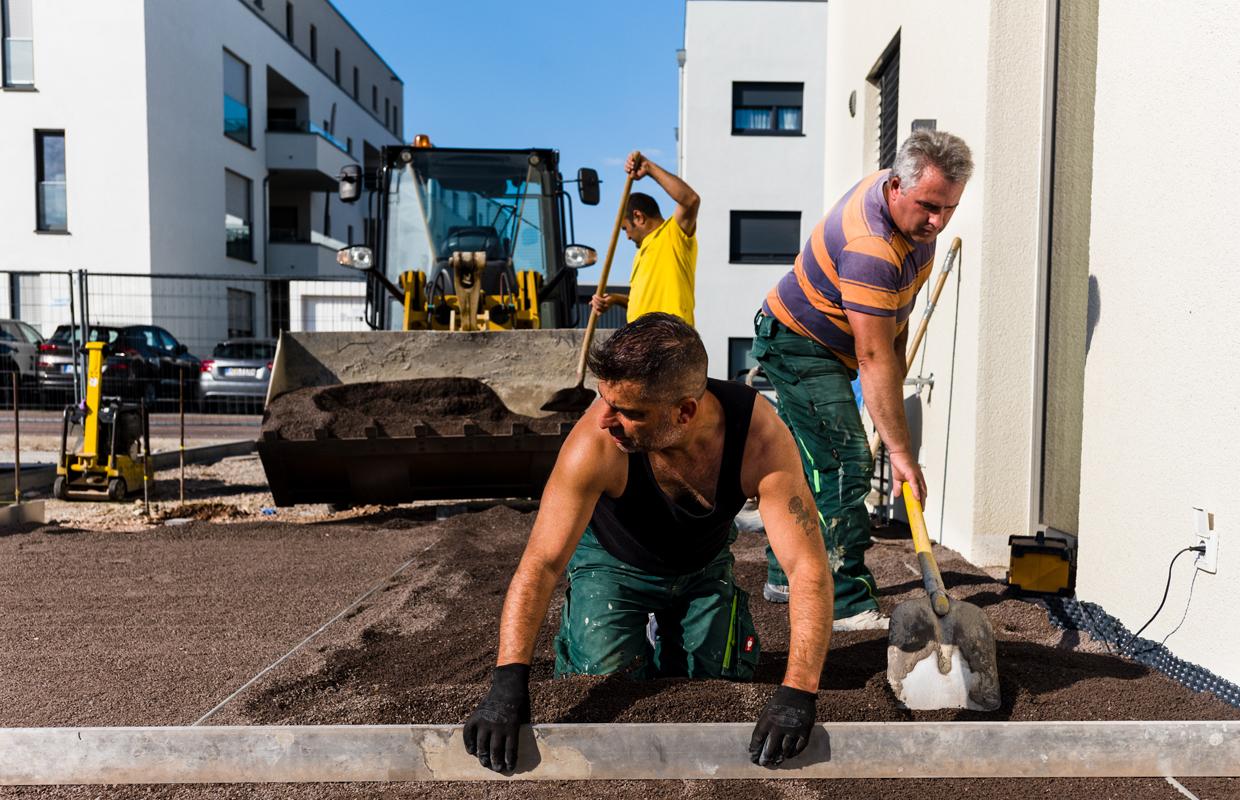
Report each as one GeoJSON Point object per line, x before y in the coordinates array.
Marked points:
{"type": "Point", "coordinates": [748, 644]}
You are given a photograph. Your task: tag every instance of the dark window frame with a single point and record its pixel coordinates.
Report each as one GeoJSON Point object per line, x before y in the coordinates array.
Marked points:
{"type": "Point", "coordinates": [288, 21]}
{"type": "Point", "coordinates": [374, 97]}
{"type": "Point", "coordinates": [356, 84]}
{"type": "Point", "coordinates": [230, 250]}
{"type": "Point", "coordinates": [396, 120]}
{"type": "Point", "coordinates": [336, 66]}
{"type": "Point", "coordinates": [736, 254]}
{"type": "Point", "coordinates": [739, 375]}
{"type": "Point", "coordinates": [885, 77]}
{"type": "Point", "coordinates": [248, 141]}
{"type": "Point", "coordinates": [739, 88]}
{"type": "Point", "coordinates": [40, 171]}
{"type": "Point", "coordinates": [314, 44]}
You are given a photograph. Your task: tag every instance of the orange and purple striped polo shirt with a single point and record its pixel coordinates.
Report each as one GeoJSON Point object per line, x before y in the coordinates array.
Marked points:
{"type": "Point", "coordinates": [855, 259]}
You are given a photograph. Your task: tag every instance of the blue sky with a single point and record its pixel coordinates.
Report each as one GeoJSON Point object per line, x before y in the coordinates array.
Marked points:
{"type": "Point", "coordinates": [593, 79]}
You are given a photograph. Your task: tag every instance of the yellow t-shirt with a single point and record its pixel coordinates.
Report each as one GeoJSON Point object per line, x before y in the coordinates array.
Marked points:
{"type": "Point", "coordinates": [662, 276]}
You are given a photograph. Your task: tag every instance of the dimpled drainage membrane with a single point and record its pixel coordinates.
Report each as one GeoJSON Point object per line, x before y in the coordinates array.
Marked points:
{"type": "Point", "coordinates": [1072, 614]}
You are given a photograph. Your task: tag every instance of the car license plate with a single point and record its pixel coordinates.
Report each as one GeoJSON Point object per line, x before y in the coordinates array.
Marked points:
{"type": "Point", "coordinates": [240, 372]}
{"type": "Point", "coordinates": [66, 368]}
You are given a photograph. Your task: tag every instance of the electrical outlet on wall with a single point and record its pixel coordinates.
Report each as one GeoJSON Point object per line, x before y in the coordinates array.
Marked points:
{"type": "Point", "coordinates": [1204, 534]}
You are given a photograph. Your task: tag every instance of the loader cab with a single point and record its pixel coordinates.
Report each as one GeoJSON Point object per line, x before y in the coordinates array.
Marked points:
{"type": "Point", "coordinates": [507, 210]}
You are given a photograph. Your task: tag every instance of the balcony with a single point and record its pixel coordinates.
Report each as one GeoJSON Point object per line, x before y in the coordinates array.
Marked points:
{"type": "Point", "coordinates": [290, 258]}
{"type": "Point", "coordinates": [306, 157]}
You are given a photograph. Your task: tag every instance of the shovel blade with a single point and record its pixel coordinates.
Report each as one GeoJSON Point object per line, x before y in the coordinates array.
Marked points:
{"type": "Point", "coordinates": [942, 662]}
{"type": "Point", "coordinates": [574, 398]}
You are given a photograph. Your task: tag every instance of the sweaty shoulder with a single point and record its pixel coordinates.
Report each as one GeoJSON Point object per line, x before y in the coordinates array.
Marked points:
{"type": "Point", "coordinates": [591, 457]}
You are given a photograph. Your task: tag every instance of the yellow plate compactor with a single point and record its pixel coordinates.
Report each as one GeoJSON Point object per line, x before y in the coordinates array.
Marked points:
{"type": "Point", "coordinates": [114, 456]}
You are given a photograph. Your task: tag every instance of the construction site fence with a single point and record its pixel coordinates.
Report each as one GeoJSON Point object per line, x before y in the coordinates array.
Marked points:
{"type": "Point", "coordinates": [179, 322]}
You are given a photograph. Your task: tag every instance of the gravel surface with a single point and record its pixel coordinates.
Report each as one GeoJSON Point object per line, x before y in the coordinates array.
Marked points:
{"type": "Point", "coordinates": [156, 625]}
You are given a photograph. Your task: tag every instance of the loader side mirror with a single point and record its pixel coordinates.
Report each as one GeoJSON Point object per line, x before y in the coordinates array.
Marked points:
{"type": "Point", "coordinates": [587, 186]}
{"type": "Point", "coordinates": [349, 183]}
{"type": "Point", "coordinates": [577, 256]}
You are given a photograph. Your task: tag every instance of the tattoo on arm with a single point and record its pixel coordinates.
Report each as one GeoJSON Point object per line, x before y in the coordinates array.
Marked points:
{"type": "Point", "coordinates": [804, 516]}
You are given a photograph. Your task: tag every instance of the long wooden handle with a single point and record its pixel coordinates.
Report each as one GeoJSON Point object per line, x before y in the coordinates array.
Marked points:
{"type": "Point", "coordinates": [601, 290]}
{"type": "Point", "coordinates": [930, 575]}
{"type": "Point", "coordinates": [948, 263]}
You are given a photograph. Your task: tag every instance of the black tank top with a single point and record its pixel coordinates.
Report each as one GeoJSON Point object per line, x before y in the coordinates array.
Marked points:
{"type": "Point", "coordinates": [651, 531]}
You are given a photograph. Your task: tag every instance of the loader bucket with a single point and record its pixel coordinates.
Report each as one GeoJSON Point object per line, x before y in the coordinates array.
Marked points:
{"type": "Point", "coordinates": [342, 425]}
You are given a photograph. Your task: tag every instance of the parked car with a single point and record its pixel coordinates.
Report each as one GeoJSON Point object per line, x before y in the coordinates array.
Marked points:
{"type": "Point", "coordinates": [146, 362]}
{"type": "Point", "coordinates": [55, 364]}
{"type": "Point", "coordinates": [19, 350]}
{"type": "Point", "coordinates": [238, 370]}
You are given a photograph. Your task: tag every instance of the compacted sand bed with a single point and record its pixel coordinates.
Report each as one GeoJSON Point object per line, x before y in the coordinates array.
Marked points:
{"type": "Point", "coordinates": [420, 651]}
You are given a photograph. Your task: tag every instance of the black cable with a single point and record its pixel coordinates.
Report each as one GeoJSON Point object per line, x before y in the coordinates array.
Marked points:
{"type": "Point", "coordinates": [1166, 591]}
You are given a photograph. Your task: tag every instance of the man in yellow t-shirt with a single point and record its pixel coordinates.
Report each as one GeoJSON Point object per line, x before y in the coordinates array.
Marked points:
{"type": "Point", "coordinates": [666, 260]}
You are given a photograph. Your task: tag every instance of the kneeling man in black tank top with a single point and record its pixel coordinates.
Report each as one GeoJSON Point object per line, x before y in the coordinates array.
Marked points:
{"type": "Point", "coordinates": [639, 508]}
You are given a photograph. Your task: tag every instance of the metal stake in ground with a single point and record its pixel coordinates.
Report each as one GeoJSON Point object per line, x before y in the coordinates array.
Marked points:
{"type": "Point", "coordinates": [181, 411]}
{"type": "Point", "coordinates": [17, 443]}
{"type": "Point", "coordinates": [146, 459]}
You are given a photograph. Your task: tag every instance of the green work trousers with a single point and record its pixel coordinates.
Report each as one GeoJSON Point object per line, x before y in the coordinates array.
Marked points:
{"type": "Point", "coordinates": [816, 403]}
{"type": "Point", "coordinates": [704, 626]}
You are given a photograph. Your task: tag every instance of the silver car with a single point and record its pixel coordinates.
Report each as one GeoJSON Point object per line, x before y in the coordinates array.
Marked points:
{"type": "Point", "coordinates": [237, 370]}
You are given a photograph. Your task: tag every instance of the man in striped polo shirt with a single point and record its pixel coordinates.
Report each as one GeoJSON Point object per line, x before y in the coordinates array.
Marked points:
{"type": "Point", "coordinates": [844, 310]}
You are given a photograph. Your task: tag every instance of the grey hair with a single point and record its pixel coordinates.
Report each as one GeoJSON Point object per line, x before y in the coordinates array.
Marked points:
{"type": "Point", "coordinates": [946, 152]}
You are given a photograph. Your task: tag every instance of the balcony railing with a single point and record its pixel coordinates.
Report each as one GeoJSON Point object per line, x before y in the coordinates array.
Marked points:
{"type": "Point", "coordinates": [286, 126]}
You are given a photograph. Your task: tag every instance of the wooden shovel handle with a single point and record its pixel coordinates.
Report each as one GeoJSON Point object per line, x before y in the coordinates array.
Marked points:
{"type": "Point", "coordinates": [952, 253]}
{"type": "Point", "coordinates": [930, 575]}
{"type": "Point", "coordinates": [601, 290]}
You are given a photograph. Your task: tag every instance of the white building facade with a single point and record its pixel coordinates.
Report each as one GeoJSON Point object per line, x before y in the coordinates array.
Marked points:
{"type": "Point", "coordinates": [1081, 353]}
{"type": "Point", "coordinates": [196, 138]}
{"type": "Point", "coordinates": [750, 143]}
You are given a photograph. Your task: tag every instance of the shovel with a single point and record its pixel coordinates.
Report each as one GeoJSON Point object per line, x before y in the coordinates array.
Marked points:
{"type": "Point", "coordinates": [940, 651]}
{"type": "Point", "coordinates": [578, 397]}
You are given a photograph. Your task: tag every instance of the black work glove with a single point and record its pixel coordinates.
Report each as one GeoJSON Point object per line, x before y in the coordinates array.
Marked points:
{"type": "Point", "coordinates": [783, 728]}
{"type": "Point", "coordinates": [491, 731]}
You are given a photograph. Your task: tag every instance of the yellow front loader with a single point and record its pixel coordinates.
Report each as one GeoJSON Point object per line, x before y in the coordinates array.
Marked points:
{"type": "Point", "coordinates": [471, 274]}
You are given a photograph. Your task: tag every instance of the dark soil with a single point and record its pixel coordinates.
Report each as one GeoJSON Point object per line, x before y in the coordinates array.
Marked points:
{"type": "Point", "coordinates": [421, 652]}
{"type": "Point", "coordinates": [442, 406]}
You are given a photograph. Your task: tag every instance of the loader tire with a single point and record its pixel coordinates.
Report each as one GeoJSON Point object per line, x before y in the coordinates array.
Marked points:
{"type": "Point", "coordinates": [117, 489]}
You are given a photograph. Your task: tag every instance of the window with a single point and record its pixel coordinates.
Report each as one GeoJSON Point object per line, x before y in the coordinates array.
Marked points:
{"type": "Point", "coordinates": [396, 120]}
{"type": "Point", "coordinates": [387, 113]}
{"type": "Point", "coordinates": [349, 240]}
{"type": "Point", "coordinates": [886, 78]}
{"type": "Point", "coordinates": [356, 94]}
{"type": "Point", "coordinates": [336, 67]}
{"type": "Point", "coordinates": [236, 99]}
{"type": "Point", "coordinates": [374, 98]}
{"type": "Point", "coordinates": [767, 109]}
{"type": "Point", "coordinates": [16, 22]}
{"type": "Point", "coordinates": [50, 196]}
{"type": "Point", "coordinates": [288, 21]}
{"type": "Point", "coordinates": [740, 362]}
{"type": "Point", "coordinates": [314, 44]}
{"type": "Point", "coordinates": [349, 145]}
{"type": "Point", "coordinates": [240, 314]}
{"type": "Point", "coordinates": [237, 215]}
{"type": "Point", "coordinates": [765, 237]}
{"type": "Point", "coordinates": [258, 3]}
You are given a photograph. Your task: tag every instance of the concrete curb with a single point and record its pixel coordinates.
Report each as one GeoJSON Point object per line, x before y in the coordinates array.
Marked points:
{"type": "Point", "coordinates": [305, 753]}
{"type": "Point", "coordinates": [41, 479]}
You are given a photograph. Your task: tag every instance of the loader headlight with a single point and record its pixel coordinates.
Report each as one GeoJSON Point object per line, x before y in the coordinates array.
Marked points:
{"type": "Point", "coordinates": [577, 256]}
{"type": "Point", "coordinates": [360, 258]}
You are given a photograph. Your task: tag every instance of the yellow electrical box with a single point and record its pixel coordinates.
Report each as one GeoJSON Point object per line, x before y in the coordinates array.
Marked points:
{"type": "Point", "coordinates": [1043, 564]}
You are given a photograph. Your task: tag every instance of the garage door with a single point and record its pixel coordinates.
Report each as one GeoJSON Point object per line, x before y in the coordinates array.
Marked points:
{"type": "Point", "coordinates": [326, 313]}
